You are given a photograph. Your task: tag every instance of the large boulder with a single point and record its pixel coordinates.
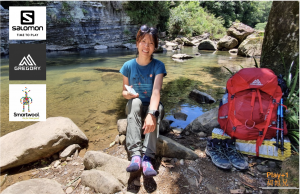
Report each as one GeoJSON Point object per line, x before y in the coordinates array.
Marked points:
{"type": "Point", "coordinates": [122, 126]}
{"type": "Point", "coordinates": [187, 42]}
{"type": "Point", "coordinates": [169, 148]}
{"type": "Point", "coordinates": [201, 97]}
{"type": "Point", "coordinates": [250, 47]}
{"type": "Point", "coordinates": [35, 186]}
{"type": "Point", "coordinates": [100, 181]}
{"type": "Point", "coordinates": [38, 141]}
{"type": "Point", "coordinates": [239, 31]}
{"type": "Point", "coordinates": [110, 164]}
{"type": "Point", "coordinates": [207, 45]}
{"type": "Point", "coordinates": [281, 37]}
{"type": "Point", "coordinates": [205, 123]}
{"type": "Point", "coordinates": [227, 42]}
{"type": "Point", "coordinates": [164, 126]}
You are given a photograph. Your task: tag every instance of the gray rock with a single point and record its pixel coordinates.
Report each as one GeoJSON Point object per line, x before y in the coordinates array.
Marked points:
{"type": "Point", "coordinates": [205, 123]}
{"type": "Point", "coordinates": [117, 139]}
{"type": "Point", "coordinates": [239, 31]}
{"type": "Point", "coordinates": [56, 163]}
{"type": "Point", "coordinates": [177, 130]}
{"type": "Point", "coordinates": [129, 45]}
{"type": "Point", "coordinates": [182, 56]}
{"type": "Point", "coordinates": [167, 147]}
{"type": "Point", "coordinates": [69, 190]}
{"type": "Point", "coordinates": [187, 133]}
{"type": "Point", "coordinates": [201, 97]}
{"type": "Point", "coordinates": [100, 181]}
{"type": "Point", "coordinates": [164, 126]}
{"type": "Point", "coordinates": [122, 126]}
{"type": "Point", "coordinates": [35, 186]}
{"type": "Point", "coordinates": [69, 151]}
{"type": "Point", "coordinates": [187, 42]}
{"type": "Point", "coordinates": [250, 47]}
{"type": "Point", "coordinates": [233, 51]}
{"type": "Point", "coordinates": [227, 42]}
{"type": "Point", "coordinates": [207, 45]}
{"type": "Point", "coordinates": [262, 168]}
{"type": "Point", "coordinates": [180, 116]}
{"type": "Point", "coordinates": [39, 140]}
{"type": "Point", "coordinates": [100, 47]}
{"type": "Point", "coordinates": [272, 164]}
{"type": "Point", "coordinates": [202, 134]}
{"type": "Point", "coordinates": [122, 140]}
{"type": "Point", "coordinates": [104, 162]}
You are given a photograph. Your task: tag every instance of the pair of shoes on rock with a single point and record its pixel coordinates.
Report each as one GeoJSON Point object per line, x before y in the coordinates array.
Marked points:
{"type": "Point", "coordinates": [135, 165]}
{"type": "Point", "coordinates": [224, 154]}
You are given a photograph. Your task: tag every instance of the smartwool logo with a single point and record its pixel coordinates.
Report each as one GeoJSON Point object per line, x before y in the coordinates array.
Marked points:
{"type": "Point", "coordinates": [27, 102]}
{"type": "Point", "coordinates": [27, 62]}
{"type": "Point", "coordinates": [27, 23]}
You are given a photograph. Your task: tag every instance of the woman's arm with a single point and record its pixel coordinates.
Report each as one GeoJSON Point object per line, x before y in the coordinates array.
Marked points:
{"type": "Point", "coordinates": [125, 93]}
{"type": "Point", "coordinates": [150, 121]}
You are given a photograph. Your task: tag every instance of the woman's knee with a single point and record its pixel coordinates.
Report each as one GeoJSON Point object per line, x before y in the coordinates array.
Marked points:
{"type": "Point", "coordinates": [134, 105]}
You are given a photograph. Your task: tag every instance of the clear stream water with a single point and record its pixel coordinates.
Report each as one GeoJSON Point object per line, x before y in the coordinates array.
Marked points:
{"type": "Point", "coordinates": [92, 98]}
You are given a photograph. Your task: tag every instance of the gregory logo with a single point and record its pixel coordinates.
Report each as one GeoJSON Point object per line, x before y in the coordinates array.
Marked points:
{"type": "Point", "coordinates": [256, 83]}
{"type": "Point", "coordinates": [27, 23]}
{"type": "Point", "coordinates": [27, 62]}
{"type": "Point", "coordinates": [27, 17]}
{"type": "Point", "coordinates": [27, 102]}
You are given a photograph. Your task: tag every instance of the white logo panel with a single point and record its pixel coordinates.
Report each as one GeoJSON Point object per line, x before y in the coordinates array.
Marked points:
{"type": "Point", "coordinates": [27, 102]}
{"type": "Point", "coordinates": [27, 23]}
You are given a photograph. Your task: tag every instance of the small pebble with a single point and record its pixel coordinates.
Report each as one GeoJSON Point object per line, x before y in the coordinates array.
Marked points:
{"type": "Point", "coordinates": [187, 133]}
{"type": "Point", "coordinates": [181, 162]}
{"type": "Point", "coordinates": [87, 188]}
{"type": "Point", "coordinates": [56, 163]}
{"type": "Point", "coordinates": [69, 190]}
{"type": "Point", "coordinates": [69, 159]}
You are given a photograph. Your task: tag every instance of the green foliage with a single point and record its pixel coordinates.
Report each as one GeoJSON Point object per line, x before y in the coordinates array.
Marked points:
{"type": "Point", "coordinates": [248, 12]}
{"type": "Point", "coordinates": [66, 6]}
{"type": "Point", "coordinates": [190, 19]}
{"type": "Point", "coordinates": [152, 13]}
{"type": "Point", "coordinates": [126, 32]}
{"type": "Point", "coordinates": [292, 103]}
{"type": "Point", "coordinates": [260, 26]}
{"type": "Point", "coordinates": [84, 11]}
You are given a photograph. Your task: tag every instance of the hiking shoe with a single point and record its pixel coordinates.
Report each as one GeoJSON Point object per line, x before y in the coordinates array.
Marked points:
{"type": "Point", "coordinates": [215, 150]}
{"type": "Point", "coordinates": [148, 169]}
{"type": "Point", "coordinates": [135, 164]}
{"type": "Point", "coordinates": [235, 157]}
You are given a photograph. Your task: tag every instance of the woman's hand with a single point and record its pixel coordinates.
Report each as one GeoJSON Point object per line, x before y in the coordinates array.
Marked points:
{"type": "Point", "coordinates": [149, 124]}
{"type": "Point", "coordinates": [129, 96]}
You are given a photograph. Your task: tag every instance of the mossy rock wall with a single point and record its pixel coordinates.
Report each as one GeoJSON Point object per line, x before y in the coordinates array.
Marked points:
{"type": "Point", "coordinates": [281, 36]}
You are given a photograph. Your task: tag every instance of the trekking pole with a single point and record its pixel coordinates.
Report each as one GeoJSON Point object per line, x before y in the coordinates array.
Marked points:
{"type": "Point", "coordinates": [278, 126]}
{"type": "Point", "coordinates": [281, 126]}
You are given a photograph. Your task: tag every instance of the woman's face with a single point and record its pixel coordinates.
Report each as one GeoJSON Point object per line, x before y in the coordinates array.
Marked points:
{"type": "Point", "coordinates": [146, 46]}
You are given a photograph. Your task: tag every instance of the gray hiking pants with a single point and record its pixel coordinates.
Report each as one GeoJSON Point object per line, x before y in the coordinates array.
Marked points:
{"type": "Point", "coordinates": [136, 114]}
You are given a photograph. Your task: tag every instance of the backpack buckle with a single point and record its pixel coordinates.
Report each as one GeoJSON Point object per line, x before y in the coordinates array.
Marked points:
{"type": "Point", "coordinates": [260, 133]}
{"type": "Point", "coordinates": [233, 128]}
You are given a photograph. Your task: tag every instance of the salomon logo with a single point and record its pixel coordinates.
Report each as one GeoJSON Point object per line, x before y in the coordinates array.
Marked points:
{"type": "Point", "coordinates": [256, 83]}
{"type": "Point", "coordinates": [27, 17]}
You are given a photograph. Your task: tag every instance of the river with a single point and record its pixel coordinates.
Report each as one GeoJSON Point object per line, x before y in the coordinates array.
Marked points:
{"type": "Point", "coordinates": [92, 98]}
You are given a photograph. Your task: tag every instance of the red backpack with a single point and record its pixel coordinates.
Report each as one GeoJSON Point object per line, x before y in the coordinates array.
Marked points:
{"type": "Point", "coordinates": [251, 111]}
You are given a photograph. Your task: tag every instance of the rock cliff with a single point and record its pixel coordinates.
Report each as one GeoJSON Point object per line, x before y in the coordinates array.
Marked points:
{"type": "Point", "coordinates": [79, 25]}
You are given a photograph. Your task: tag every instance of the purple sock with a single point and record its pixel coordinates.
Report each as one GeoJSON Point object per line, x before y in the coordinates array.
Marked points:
{"type": "Point", "coordinates": [134, 164]}
{"type": "Point", "coordinates": [148, 169]}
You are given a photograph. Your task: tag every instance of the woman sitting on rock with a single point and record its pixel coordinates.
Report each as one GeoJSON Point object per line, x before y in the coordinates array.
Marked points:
{"type": "Point", "coordinates": [144, 110]}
